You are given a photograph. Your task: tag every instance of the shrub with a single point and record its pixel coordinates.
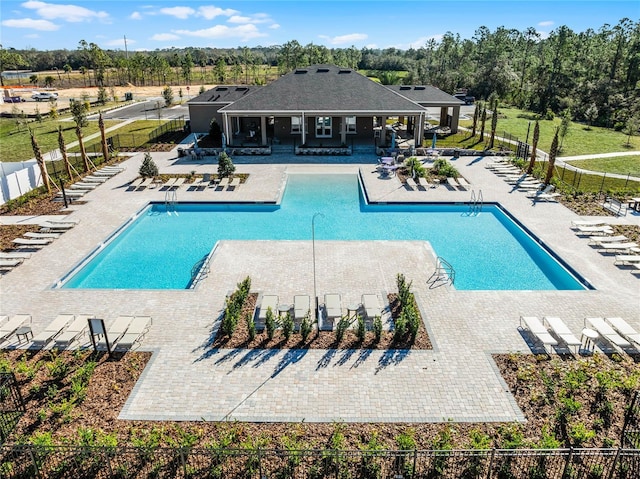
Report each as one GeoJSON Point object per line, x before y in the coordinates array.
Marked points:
{"type": "Point", "coordinates": [225, 165]}
{"type": "Point", "coordinates": [442, 167]}
{"type": "Point", "coordinates": [287, 326]}
{"type": "Point", "coordinates": [167, 94]}
{"type": "Point", "coordinates": [251, 326]}
{"type": "Point", "coordinates": [270, 323]}
{"type": "Point", "coordinates": [377, 328]}
{"type": "Point", "coordinates": [148, 169]}
{"type": "Point", "coordinates": [361, 330]}
{"type": "Point", "coordinates": [343, 324]}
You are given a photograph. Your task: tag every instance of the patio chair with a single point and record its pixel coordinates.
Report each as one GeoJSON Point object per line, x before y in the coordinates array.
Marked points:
{"type": "Point", "coordinates": [422, 181]}
{"type": "Point", "coordinates": [537, 329]}
{"type": "Point", "coordinates": [624, 329]}
{"type": "Point", "coordinates": [333, 307]}
{"type": "Point", "coordinates": [115, 331]}
{"type": "Point", "coordinates": [268, 301]}
{"type": "Point", "coordinates": [301, 306]}
{"type": "Point", "coordinates": [53, 330]}
{"type": "Point", "coordinates": [32, 242]}
{"type": "Point", "coordinates": [204, 182]}
{"type": "Point", "coordinates": [452, 182]}
{"type": "Point", "coordinates": [607, 332]}
{"type": "Point", "coordinates": [138, 327]}
{"type": "Point", "coordinates": [145, 183]}
{"type": "Point", "coordinates": [371, 306]}
{"type": "Point", "coordinates": [14, 322]}
{"type": "Point", "coordinates": [598, 240]}
{"type": "Point", "coordinates": [30, 234]}
{"type": "Point", "coordinates": [178, 183]}
{"type": "Point", "coordinates": [627, 259]}
{"type": "Point", "coordinates": [593, 230]}
{"type": "Point", "coordinates": [562, 331]}
{"type": "Point", "coordinates": [76, 329]}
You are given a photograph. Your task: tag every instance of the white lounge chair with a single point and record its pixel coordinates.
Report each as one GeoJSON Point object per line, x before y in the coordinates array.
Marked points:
{"type": "Point", "coordinates": [606, 332]}
{"type": "Point", "coordinates": [412, 183]}
{"type": "Point", "coordinates": [592, 230]}
{"type": "Point", "coordinates": [627, 259]}
{"type": "Point", "coordinates": [76, 329]}
{"type": "Point", "coordinates": [464, 184]}
{"type": "Point", "coordinates": [223, 183]}
{"type": "Point", "coordinates": [624, 329]}
{"type": "Point", "coordinates": [234, 183]}
{"type": "Point", "coordinates": [14, 322]}
{"type": "Point", "coordinates": [425, 183]}
{"type": "Point", "coordinates": [14, 255]}
{"type": "Point", "coordinates": [546, 197]}
{"type": "Point", "coordinates": [598, 240]}
{"type": "Point", "coordinates": [268, 301]}
{"type": "Point", "coordinates": [138, 327]}
{"type": "Point", "coordinates": [10, 262]}
{"type": "Point", "coordinates": [452, 182]}
{"type": "Point", "coordinates": [55, 327]}
{"type": "Point", "coordinates": [135, 183]}
{"type": "Point", "coordinates": [178, 183]}
{"type": "Point", "coordinates": [145, 183]}
{"type": "Point", "coordinates": [628, 246]}
{"type": "Point", "coordinates": [536, 328]}
{"type": "Point", "coordinates": [95, 179]}
{"type": "Point", "coordinates": [169, 183]}
{"type": "Point", "coordinates": [115, 331]}
{"type": "Point", "coordinates": [333, 306]}
{"type": "Point", "coordinates": [31, 242]}
{"type": "Point", "coordinates": [83, 186]}
{"type": "Point", "coordinates": [301, 306]}
{"type": "Point", "coordinates": [583, 223]}
{"type": "Point", "coordinates": [204, 182]}
{"type": "Point", "coordinates": [562, 331]}
{"type": "Point", "coordinates": [371, 305]}
{"type": "Point", "coordinates": [30, 234]}
{"type": "Point", "coordinates": [51, 226]}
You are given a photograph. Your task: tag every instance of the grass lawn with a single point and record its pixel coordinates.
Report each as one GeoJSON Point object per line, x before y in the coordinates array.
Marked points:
{"type": "Point", "coordinates": [580, 139]}
{"type": "Point", "coordinates": [622, 165]}
{"type": "Point", "coordinates": [15, 144]}
{"type": "Point", "coordinates": [137, 132]}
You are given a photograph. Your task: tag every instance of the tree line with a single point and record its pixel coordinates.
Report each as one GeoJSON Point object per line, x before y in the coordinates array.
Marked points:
{"type": "Point", "coordinates": [589, 76]}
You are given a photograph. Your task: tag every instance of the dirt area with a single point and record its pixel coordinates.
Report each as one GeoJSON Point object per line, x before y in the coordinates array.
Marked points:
{"type": "Point", "coordinates": [64, 94]}
{"type": "Point", "coordinates": [77, 396]}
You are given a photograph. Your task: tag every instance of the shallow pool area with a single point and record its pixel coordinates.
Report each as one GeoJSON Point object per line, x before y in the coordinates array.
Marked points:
{"type": "Point", "coordinates": [163, 248]}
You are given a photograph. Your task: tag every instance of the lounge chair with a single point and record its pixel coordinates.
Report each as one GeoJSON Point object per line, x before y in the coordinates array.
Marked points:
{"type": "Point", "coordinates": [464, 184]}
{"type": "Point", "coordinates": [224, 182]}
{"type": "Point", "coordinates": [536, 328]}
{"type": "Point", "coordinates": [83, 186]}
{"type": "Point", "coordinates": [30, 234]}
{"type": "Point", "coordinates": [425, 183]}
{"type": "Point", "coordinates": [268, 301]}
{"type": "Point", "coordinates": [577, 223]}
{"type": "Point", "coordinates": [135, 183]}
{"type": "Point", "coordinates": [15, 255]}
{"type": "Point", "coordinates": [204, 182]}
{"type": "Point", "coordinates": [138, 327]}
{"type": "Point", "coordinates": [627, 259]}
{"type": "Point", "coordinates": [333, 307]}
{"type": "Point", "coordinates": [14, 322]}
{"type": "Point", "coordinates": [145, 183]}
{"type": "Point", "coordinates": [169, 183]}
{"type": "Point", "coordinates": [95, 179]}
{"type": "Point", "coordinates": [452, 182]}
{"type": "Point", "coordinates": [546, 197]}
{"type": "Point", "coordinates": [598, 240]}
{"type": "Point", "coordinates": [562, 331]}
{"type": "Point", "coordinates": [178, 183]}
{"type": "Point", "coordinates": [76, 329]}
{"type": "Point", "coordinates": [51, 226]}
{"type": "Point", "coordinates": [301, 306]}
{"type": "Point", "coordinates": [8, 263]}
{"type": "Point", "coordinates": [115, 331]}
{"type": "Point", "coordinates": [31, 242]}
{"type": "Point", "coordinates": [234, 183]}
{"type": "Point", "coordinates": [412, 183]}
{"type": "Point", "coordinates": [624, 329]}
{"type": "Point", "coordinates": [593, 230]}
{"type": "Point", "coordinates": [606, 331]}
{"type": "Point", "coordinates": [371, 305]}
{"type": "Point", "coordinates": [55, 327]}
{"type": "Point", "coordinates": [628, 246]}
{"type": "Point", "coordinates": [72, 194]}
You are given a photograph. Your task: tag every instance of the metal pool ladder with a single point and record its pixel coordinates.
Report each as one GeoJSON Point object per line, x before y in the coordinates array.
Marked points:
{"type": "Point", "coordinates": [475, 203]}
{"type": "Point", "coordinates": [444, 273]}
{"type": "Point", "coordinates": [170, 200]}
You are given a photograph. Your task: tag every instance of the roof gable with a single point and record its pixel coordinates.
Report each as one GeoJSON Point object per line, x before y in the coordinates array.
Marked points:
{"type": "Point", "coordinates": [426, 94]}
{"type": "Point", "coordinates": [224, 94]}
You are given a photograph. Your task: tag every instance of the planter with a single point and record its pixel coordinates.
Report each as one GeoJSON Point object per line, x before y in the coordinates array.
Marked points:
{"type": "Point", "coordinates": [325, 151]}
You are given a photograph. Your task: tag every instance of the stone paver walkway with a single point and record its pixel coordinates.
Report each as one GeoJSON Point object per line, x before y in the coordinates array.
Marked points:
{"type": "Point", "coordinates": [186, 380]}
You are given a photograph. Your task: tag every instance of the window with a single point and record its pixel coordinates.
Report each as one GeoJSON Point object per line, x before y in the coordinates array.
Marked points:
{"type": "Point", "coordinates": [323, 127]}
{"type": "Point", "coordinates": [351, 124]}
{"type": "Point", "coordinates": [296, 124]}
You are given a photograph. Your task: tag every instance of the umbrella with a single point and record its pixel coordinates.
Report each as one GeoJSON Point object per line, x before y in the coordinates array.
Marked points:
{"type": "Point", "coordinates": [393, 140]}
{"type": "Point", "coordinates": [224, 143]}
{"type": "Point", "coordinates": [195, 140]}
{"type": "Point", "coordinates": [433, 142]}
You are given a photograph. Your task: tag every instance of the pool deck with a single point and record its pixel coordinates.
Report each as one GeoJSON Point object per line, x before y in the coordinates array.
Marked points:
{"type": "Point", "coordinates": [457, 380]}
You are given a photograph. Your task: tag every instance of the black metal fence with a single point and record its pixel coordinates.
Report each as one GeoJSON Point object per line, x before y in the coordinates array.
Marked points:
{"type": "Point", "coordinates": [11, 405]}
{"type": "Point", "coordinates": [119, 462]}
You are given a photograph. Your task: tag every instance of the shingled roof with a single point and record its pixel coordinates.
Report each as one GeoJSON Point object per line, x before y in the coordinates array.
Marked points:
{"type": "Point", "coordinates": [426, 94]}
{"type": "Point", "coordinates": [224, 94]}
{"type": "Point", "coordinates": [323, 88]}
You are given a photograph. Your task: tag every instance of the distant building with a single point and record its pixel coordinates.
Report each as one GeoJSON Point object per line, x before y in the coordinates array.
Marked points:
{"type": "Point", "coordinates": [318, 103]}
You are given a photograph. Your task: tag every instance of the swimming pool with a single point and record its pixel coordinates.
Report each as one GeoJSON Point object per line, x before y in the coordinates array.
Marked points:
{"type": "Point", "coordinates": [159, 249]}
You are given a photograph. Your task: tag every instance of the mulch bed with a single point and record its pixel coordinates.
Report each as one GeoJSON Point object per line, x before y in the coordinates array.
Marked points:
{"type": "Point", "coordinates": [318, 339]}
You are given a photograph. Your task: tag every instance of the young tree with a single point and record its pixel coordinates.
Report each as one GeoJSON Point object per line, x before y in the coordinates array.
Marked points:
{"type": "Point", "coordinates": [483, 120]}
{"type": "Point", "coordinates": [564, 127]}
{"type": "Point", "coordinates": [591, 114]}
{"type": "Point", "coordinates": [225, 165]}
{"type": "Point", "coordinates": [534, 147]}
{"type": "Point", "coordinates": [53, 108]}
{"type": "Point", "coordinates": [493, 102]}
{"type": "Point", "coordinates": [38, 155]}
{"type": "Point", "coordinates": [167, 94]}
{"type": "Point", "coordinates": [103, 96]}
{"type": "Point", "coordinates": [79, 112]}
{"type": "Point", "coordinates": [632, 126]}
{"type": "Point", "coordinates": [476, 116]}
{"type": "Point", "coordinates": [63, 152]}
{"type": "Point", "coordinates": [103, 137]}
{"type": "Point", "coordinates": [148, 169]}
{"type": "Point", "coordinates": [552, 159]}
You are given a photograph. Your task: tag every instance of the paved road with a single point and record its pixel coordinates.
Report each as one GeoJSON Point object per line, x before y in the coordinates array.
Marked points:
{"type": "Point", "coordinates": [146, 110]}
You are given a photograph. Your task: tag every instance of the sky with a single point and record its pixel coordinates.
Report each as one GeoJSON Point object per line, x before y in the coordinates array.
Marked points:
{"type": "Point", "coordinates": [402, 24]}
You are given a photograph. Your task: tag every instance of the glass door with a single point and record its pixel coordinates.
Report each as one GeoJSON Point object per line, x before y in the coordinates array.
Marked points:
{"type": "Point", "coordinates": [323, 127]}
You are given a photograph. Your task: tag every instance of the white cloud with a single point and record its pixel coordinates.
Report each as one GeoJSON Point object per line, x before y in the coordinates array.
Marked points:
{"type": "Point", "coordinates": [164, 37]}
{"type": "Point", "coordinates": [32, 35]}
{"type": "Point", "coordinates": [543, 35]}
{"type": "Point", "coordinates": [210, 12]}
{"type": "Point", "coordinates": [546, 23]}
{"type": "Point", "coordinates": [70, 13]}
{"type": "Point", "coordinates": [344, 39]}
{"type": "Point", "coordinates": [275, 26]}
{"type": "Point", "coordinates": [42, 25]}
{"type": "Point", "coordinates": [135, 16]}
{"type": "Point", "coordinates": [119, 42]}
{"type": "Point", "coordinates": [179, 12]}
{"type": "Point", "coordinates": [256, 18]}
{"type": "Point", "coordinates": [242, 32]}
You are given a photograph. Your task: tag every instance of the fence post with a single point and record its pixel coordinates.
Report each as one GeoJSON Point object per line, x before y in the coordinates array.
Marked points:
{"type": "Point", "coordinates": [613, 466]}
{"type": "Point", "coordinates": [566, 464]}
{"type": "Point", "coordinates": [415, 460]}
{"type": "Point", "coordinates": [627, 181]}
{"type": "Point", "coordinates": [491, 458]}
{"type": "Point", "coordinates": [579, 178]}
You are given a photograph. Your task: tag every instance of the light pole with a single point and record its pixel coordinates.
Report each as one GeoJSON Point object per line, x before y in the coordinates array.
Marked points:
{"type": "Point", "coordinates": [313, 248]}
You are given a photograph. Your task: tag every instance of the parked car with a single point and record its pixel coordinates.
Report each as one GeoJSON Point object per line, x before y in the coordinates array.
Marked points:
{"type": "Point", "coordinates": [44, 95]}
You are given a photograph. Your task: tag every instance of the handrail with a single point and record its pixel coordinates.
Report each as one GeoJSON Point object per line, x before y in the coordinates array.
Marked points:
{"type": "Point", "coordinates": [444, 272]}
{"type": "Point", "coordinates": [475, 203]}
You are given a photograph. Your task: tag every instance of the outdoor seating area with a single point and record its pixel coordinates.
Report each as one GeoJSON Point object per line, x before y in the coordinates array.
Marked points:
{"type": "Point", "coordinates": [88, 183]}
{"type": "Point", "coordinates": [601, 237]}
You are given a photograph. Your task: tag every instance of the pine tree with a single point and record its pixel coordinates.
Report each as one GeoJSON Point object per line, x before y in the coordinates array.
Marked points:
{"type": "Point", "coordinates": [534, 147]}
{"type": "Point", "coordinates": [552, 158]}
{"type": "Point", "coordinates": [148, 169]}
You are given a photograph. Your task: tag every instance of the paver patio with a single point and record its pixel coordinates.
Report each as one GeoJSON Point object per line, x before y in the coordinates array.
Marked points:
{"type": "Point", "coordinates": [186, 380]}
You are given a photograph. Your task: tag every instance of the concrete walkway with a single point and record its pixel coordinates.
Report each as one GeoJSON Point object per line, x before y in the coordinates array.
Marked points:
{"type": "Point", "coordinates": [187, 380]}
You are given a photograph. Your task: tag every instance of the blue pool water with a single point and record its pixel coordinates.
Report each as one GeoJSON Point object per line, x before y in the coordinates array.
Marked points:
{"type": "Point", "coordinates": [158, 250]}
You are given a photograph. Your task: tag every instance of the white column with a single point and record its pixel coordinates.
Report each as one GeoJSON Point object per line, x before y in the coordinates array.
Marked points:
{"type": "Point", "coordinates": [303, 125]}
{"type": "Point", "coordinates": [263, 129]}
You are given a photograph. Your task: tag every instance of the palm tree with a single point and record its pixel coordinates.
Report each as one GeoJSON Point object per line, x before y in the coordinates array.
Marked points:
{"type": "Point", "coordinates": [105, 149]}
{"type": "Point", "coordinates": [552, 158]}
{"type": "Point", "coordinates": [79, 112]}
{"type": "Point", "coordinates": [38, 154]}
{"type": "Point", "coordinates": [63, 152]}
